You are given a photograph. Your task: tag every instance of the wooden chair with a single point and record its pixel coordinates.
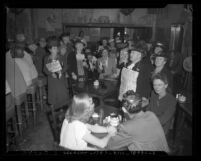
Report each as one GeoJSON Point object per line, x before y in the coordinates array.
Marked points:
{"type": "Point", "coordinates": [41, 83]}
{"type": "Point", "coordinates": [55, 118]}
{"type": "Point", "coordinates": [31, 101]}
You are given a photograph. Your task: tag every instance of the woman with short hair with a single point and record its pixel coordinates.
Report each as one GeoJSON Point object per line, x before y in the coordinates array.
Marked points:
{"type": "Point", "coordinates": [162, 103]}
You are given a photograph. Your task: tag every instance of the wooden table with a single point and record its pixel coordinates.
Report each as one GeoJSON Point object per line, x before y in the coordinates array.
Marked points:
{"type": "Point", "coordinates": [105, 88]}
{"type": "Point", "coordinates": [107, 111]}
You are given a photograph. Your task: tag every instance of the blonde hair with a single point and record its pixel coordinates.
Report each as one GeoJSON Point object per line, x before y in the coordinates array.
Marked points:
{"type": "Point", "coordinates": [80, 109]}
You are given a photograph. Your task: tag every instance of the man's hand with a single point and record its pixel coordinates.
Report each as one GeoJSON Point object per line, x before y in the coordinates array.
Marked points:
{"type": "Point", "coordinates": [111, 130]}
{"type": "Point", "coordinates": [145, 101]}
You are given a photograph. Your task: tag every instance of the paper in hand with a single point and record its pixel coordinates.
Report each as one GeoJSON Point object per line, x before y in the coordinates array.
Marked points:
{"type": "Point", "coordinates": [54, 66]}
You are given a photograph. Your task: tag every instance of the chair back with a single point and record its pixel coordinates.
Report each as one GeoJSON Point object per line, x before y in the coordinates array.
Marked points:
{"type": "Point", "coordinates": [55, 118]}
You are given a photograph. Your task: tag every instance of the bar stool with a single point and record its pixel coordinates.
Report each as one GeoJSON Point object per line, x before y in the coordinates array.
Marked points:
{"type": "Point", "coordinates": [11, 126]}
{"type": "Point", "coordinates": [31, 101]}
{"type": "Point", "coordinates": [41, 83]}
{"type": "Point", "coordinates": [19, 101]}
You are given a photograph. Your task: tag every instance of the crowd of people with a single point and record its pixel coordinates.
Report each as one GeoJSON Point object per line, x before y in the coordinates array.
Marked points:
{"type": "Point", "coordinates": [142, 72]}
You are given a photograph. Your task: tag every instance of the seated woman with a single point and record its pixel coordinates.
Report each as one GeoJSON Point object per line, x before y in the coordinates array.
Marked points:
{"type": "Point", "coordinates": [107, 65]}
{"type": "Point", "coordinates": [141, 131]}
{"type": "Point", "coordinates": [76, 132]}
{"type": "Point", "coordinates": [162, 103]}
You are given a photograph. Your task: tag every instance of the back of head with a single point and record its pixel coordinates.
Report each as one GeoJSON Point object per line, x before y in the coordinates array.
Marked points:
{"type": "Point", "coordinates": [132, 102]}
{"type": "Point", "coordinates": [80, 109]}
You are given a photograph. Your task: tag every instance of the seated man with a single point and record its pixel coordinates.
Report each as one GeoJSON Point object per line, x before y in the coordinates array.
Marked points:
{"type": "Point", "coordinates": [141, 131]}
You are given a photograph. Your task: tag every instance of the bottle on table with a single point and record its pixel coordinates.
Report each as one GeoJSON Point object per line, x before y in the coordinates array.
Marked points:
{"type": "Point", "coordinates": [101, 115]}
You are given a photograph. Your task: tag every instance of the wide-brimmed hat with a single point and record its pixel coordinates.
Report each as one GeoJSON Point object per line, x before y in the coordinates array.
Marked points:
{"type": "Point", "coordinates": [142, 51]}
{"type": "Point", "coordinates": [161, 54]}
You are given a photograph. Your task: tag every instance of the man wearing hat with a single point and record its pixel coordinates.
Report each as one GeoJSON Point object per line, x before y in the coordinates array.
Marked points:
{"type": "Point", "coordinates": [160, 61]}
{"type": "Point", "coordinates": [136, 75]}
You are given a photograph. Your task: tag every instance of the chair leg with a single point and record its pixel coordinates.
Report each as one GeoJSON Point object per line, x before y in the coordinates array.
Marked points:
{"type": "Point", "coordinates": [34, 108]}
{"type": "Point", "coordinates": [26, 111]}
{"type": "Point", "coordinates": [19, 119]}
{"type": "Point", "coordinates": [41, 97]}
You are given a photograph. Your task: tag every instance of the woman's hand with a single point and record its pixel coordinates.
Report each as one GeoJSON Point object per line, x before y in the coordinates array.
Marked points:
{"type": "Point", "coordinates": [111, 130]}
{"type": "Point", "coordinates": [54, 75]}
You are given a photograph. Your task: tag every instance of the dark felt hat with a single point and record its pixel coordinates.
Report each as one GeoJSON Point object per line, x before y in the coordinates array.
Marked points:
{"type": "Point", "coordinates": [161, 54]}
{"type": "Point", "coordinates": [140, 50]}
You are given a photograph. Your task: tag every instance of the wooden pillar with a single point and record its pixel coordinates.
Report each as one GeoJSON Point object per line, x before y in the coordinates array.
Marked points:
{"type": "Point", "coordinates": [154, 27]}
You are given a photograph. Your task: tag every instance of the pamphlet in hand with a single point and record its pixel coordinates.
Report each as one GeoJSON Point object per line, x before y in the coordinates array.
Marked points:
{"type": "Point", "coordinates": [54, 66]}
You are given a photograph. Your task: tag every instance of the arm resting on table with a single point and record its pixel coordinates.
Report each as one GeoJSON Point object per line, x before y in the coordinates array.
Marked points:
{"type": "Point", "coordinates": [119, 141]}
{"type": "Point", "coordinates": [97, 128]}
{"type": "Point", "coordinates": [96, 141]}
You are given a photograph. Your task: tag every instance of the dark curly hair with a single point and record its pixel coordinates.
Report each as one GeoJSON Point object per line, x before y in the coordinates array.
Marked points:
{"type": "Point", "coordinates": [132, 102]}
{"type": "Point", "coordinates": [52, 41]}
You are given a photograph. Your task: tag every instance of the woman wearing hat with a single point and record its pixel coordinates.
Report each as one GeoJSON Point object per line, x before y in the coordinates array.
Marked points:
{"type": "Point", "coordinates": [160, 62]}
{"type": "Point", "coordinates": [136, 75]}
{"type": "Point", "coordinates": [157, 48]}
{"type": "Point", "coordinates": [142, 131]}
